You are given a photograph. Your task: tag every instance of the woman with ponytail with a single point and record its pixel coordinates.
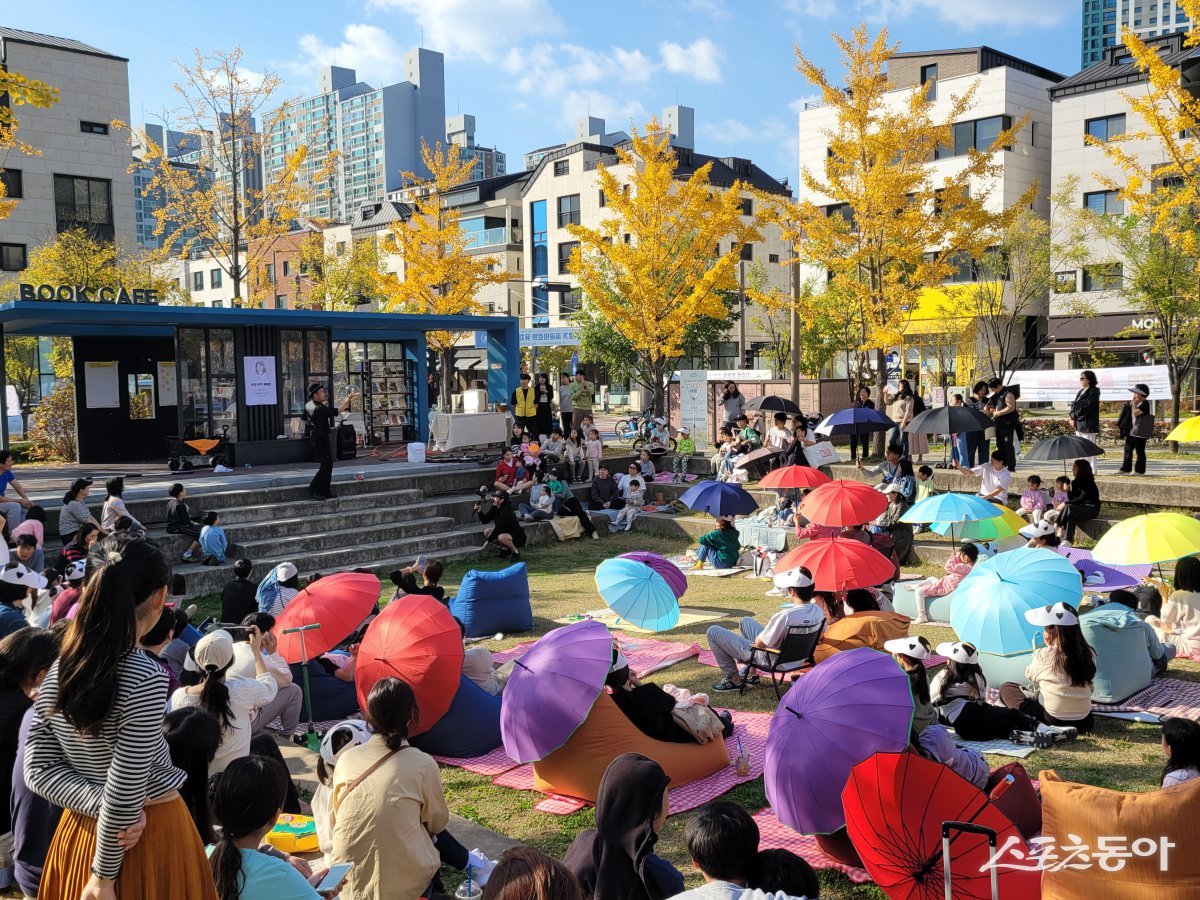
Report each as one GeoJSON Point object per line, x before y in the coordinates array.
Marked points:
{"type": "Point", "coordinates": [97, 749]}
{"type": "Point", "coordinates": [246, 800]}
{"type": "Point", "coordinates": [231, 702]}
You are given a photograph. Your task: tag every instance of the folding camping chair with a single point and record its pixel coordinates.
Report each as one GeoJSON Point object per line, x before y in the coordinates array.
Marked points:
{"type": "Point", "coordinates": [799, 645]}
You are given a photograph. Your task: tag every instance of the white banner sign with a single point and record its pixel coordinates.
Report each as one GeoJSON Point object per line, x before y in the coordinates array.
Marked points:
{"type": "Point", "coordinates": [101, 385]}
{"type": "Point", "coordinates": [739, 374]}
{"type": "Point", "coordinates": [168, 384]}
{"type": "Point", "coordinates": [548, 337]}
{"type": "Point", "coordinates": [1061, 385]}
{"type": "Point", "coordinates": [693, 404]}
{"type": "Point", "coordinates": [259, 374]}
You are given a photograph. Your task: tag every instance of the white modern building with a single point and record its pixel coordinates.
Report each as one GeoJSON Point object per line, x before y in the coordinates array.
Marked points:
{"type": "Point", "coordinates": [1093, 103]}
{"type": "Point", "coordinates": [1104, 19]}
{"type": "Point", "coordinates": [1007, 89]}
{"type": "Point", "coordinates": [81, 179]}
{"type": "Point", "coordinates": [376, 132]}
{"type": "Point", "coordinates": [489, 161]}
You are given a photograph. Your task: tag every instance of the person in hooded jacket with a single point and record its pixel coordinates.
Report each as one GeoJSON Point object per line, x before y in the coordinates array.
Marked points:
{"type": "Point", "coordinates": [616, 859]}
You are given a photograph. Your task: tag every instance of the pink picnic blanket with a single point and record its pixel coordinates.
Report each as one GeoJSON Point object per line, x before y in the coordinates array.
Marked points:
{"type": "Point", "coordinates": [1166, 697]}
{"type": "Point", "coordinates": [749, 727]}
{"type": "Point", "coordinates": [489, 765]}
{"type": "Point", "coordinates": [774, 835]}
{"type": "Point", "coordinates": [645, 655]}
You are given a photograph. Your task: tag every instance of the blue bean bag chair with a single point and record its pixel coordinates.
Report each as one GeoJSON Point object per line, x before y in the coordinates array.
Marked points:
{"type": "Point", "coordinates": [471, 727]}
{"type": "Point", "coordinates": [491, 602]}
{"type": "Point", "coordinates": [998, 669]}
{"type": "Point", "coordinates": [1123, 665]}
{"type": "Point", "coordinates": [332, 698]}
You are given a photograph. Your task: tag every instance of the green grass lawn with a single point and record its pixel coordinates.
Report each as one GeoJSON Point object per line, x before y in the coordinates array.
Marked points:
{"type": "Point", "coordinates": [1120, 755]}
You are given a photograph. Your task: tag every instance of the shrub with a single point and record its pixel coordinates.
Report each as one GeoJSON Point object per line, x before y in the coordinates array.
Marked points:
{"type": "Point", "coordinates": [52, 432]}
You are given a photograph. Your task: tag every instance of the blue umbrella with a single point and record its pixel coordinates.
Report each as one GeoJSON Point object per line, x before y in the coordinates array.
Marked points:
{"type": "Point", "coordinates": [855, 420]}
{"type": "Point", "coordinates": [950, 508]}
{"type": "Point", "coordinates": [637, 594]}
{"type": "Point", "coordinates": [719, 498]}
{"type": "Point", "coordinates": [988, 606]}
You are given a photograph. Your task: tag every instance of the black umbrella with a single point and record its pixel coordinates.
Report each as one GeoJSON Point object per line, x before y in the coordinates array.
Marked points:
{"type": "Point", "coordinates": [1064, 447]}
{"type": "Point", "coordinates": [949, 420]}
{"type": "Point", "coordinates": [772, 403]}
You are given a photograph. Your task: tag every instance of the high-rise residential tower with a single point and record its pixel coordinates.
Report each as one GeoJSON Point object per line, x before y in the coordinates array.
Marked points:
{"type": "Point", "coordinates": [1103, 20]}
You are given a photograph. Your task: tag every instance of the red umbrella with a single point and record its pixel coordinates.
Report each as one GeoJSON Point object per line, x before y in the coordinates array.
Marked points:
{"type": "Point", "coordinates": [795, 478]}
{"type": "Point", "coordinates": [338, 603]}
{"type": "Point", "coordinates": [843, 503]}
{"type": "Point", "coordinates": [895, 805]}
{"type": "Point", "coordinates": [839, 564]}
{"type": "Point", "coordinates": [416, 640]}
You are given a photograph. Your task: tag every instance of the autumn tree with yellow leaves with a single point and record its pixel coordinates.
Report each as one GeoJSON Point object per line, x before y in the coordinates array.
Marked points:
{"type": "Point", "coordinates": [885, 225]}
{"type": "Point", "coordinates": [1159, 158]}
{"type": "Point", "coordinates": [18, 90]}
{"type": "Point", "coordinates": [205, 203]}
{"type": "Point", "coordinates": [663, 260]}
{"type": "Point", "coordinates": [439, 275]}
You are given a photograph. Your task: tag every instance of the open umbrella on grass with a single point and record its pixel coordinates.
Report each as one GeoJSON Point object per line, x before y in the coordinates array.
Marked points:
{"type": "Point", "coordinates": [637, 593]}
{"type": "Point", "coordinates": [670, 572]}
{"type": "Point", "coordinates": [338, 603]}
{"type": "Point", "coordinates": [839, 564]}
{"type": "Point", "coordinates": [1149, 539]}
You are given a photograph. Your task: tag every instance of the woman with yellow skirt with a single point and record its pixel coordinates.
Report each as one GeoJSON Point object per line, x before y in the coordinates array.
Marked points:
{"type": "Point", "coordinates": [97, 749]}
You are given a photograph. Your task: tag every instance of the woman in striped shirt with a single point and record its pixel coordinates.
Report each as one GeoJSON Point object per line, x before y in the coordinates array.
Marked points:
{"type": "Point", "coordinates": [96, 746]}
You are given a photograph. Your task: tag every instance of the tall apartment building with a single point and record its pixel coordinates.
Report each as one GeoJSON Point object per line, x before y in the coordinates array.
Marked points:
{"type": "Point", "coordinates": [376, 132]}
{"type": "Point", "coordinates": [1093, 103]}
{"type": "Point", "coordinates": [1006, 89]}
{"type": "Point", "coordinates": [1103, 20]}
{"type": "Point", "coordinates": [81, 179]}
{"type": "Point", "coordinates": [563, 189]}
{"type": "Point", "coordinates": [489, 161]}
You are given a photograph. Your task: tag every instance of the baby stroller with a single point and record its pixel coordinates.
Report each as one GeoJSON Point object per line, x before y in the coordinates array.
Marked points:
{"type": "Point", "coordinates": [185, 452]}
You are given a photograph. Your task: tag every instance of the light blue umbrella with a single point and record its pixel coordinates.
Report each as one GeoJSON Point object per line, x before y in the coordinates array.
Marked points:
{"type": "Point", "coordinates": [637, 594]}
{"type": "Point", "coordinates": [950, 508]}
{"type": "Point", "coordinates": [988, 607]}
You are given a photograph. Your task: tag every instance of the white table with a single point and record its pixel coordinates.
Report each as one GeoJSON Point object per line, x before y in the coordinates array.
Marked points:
{"type": "Point", "coordinates": [449, 431]}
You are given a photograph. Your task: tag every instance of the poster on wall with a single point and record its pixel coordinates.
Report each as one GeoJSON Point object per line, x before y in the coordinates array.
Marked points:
{"type": "Point", "coordinates": [1061, 385]}
{"type": "Point", "coordinates": [168, 384]}
{"type": "Point", "coordinates": [259, 376]}
{"type": "Point", "coordinates": [693, 404]}
{"type": "Point", "coordinates": [102, 385]}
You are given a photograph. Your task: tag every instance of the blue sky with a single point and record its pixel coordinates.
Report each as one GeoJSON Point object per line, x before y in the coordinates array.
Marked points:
{"type": "Point", "coordinates": [527, 69]}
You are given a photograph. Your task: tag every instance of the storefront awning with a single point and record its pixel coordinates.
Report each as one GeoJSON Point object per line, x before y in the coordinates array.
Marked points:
{"type": "Point", "coordinates": [1112, 331]}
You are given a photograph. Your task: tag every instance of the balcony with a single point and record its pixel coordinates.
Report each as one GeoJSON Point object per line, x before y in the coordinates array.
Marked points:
{"type": "Point", "coordinates": [491, 237]}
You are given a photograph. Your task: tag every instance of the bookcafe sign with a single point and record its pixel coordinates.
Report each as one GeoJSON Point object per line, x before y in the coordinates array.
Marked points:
{"type": "Point", "coordinates": [67, 293]}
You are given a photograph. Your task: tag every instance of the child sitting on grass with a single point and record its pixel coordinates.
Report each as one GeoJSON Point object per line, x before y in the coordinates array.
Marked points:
{"type": "Point", "coordinates": [685, 449]}
{"type": "Point", "coordinates": [213, 541]}
{"type": "Point", "coordinates": [911, 653]}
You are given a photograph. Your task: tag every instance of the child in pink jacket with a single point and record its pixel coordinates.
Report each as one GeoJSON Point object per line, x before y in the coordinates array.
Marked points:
{"type": "Point", "coordinates": [957, 568]}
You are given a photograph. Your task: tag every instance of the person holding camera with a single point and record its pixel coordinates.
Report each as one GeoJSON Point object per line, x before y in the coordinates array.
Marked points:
{"type": "Point", "coordinates": [232, 701]}
{"type": "Point", "coordinates": [506, 530]}
{"type": "Point", "coordinates": [289, 698]}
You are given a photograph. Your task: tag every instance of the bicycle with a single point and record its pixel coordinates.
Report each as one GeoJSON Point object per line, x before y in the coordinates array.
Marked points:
{"type": "Point", "coordinates": [629, 430]}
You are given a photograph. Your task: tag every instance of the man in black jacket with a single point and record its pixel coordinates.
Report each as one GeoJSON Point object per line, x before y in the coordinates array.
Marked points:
{"type": "Point", "coordinates": [606, 493]}
{"type": "Point", "coordinates": [320, 420]}
{"type": "Point", "coordinates": [1136, 425]}
{"type": "Point", "coordinates": [506, 528]}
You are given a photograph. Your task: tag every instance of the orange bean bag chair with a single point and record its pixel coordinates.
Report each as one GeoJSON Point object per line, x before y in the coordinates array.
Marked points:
{"type": "Point", "coordinates": [864, 629]}
{"type": "Point", "coordinates": [1125, 819]}
{"type": "Point", "coordinates": [575, 768]}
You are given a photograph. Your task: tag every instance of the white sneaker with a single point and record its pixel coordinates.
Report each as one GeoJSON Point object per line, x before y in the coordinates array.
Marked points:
{"type": "Point", "coordinates": [480, 866]}
{"type": "Point", "coordinates": [921, 620]}
{"type": "Point", "coordinates": [1058, 732]}
{"type": "Point", "coordinates": [774, 592]}
{"type": "Point", "coordinates": [595, 537]}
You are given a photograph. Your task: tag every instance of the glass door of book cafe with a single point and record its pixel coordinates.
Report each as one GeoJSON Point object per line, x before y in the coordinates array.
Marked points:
{"type": "Point", "coordinates": [384, 377]}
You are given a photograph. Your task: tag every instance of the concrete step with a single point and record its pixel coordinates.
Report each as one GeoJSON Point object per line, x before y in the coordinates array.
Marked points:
{"type": "Point", "coordinates": [345, 504]}
{"type": "Point", "coordinates": [297, 545]}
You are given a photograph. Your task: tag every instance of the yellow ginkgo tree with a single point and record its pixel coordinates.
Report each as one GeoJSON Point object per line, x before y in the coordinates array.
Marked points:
{"type": "Point", "coordinates": [439, 275]}
{"type": "Point", "coordinates": [18, 90]}
{"type": "Point", "coordinates": [664, 258]}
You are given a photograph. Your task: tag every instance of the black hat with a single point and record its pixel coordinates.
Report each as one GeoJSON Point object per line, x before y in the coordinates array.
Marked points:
{"type": "Point", "coordinates": [79, 484]}
{"type": "Point", "coordinates": [313, 388]}
{"type": "Point", "coordinates": [1140, 389]}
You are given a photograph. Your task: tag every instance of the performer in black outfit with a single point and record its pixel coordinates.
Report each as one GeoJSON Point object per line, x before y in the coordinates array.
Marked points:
{"type": "Point", "coordinates": [320, 420]}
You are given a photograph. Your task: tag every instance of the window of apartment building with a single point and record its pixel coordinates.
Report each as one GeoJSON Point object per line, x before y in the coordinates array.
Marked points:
{"type": "Point", "coordinates": [214, 278]}
{"type": "Point", "coordinates": [772, 257]}
{"type": "Point", "coordinates": [1105, 277]}
{"type": "Point", "coordinates": [570, 302]}
{"type": "Point", "coordinates": [564, 256]}
{"type": "Point", "coordinates": [978, 134]}
{"type": "Point", "coordinates": [270, 273]}
{"type": "Point", "coordinates": [562, 167]}
{"type": "Point", "coordinates": [747, 206]}
{"type": "Point", "coordinates": [1105, 128]}
{"type": "Point", "coordinates": [1066, 282]}
{"type": "Point", "coordinates": [341, 248]}
{"type": "Point", "coordinates": [12, 257]}
{"type": "Point", "coordinates": [964, 269]}
{"type": "Point", "coordinates": [845, 210]}
{"type": "Point", "coordinates": [84, 203]}
{"type": "Point", "coordinates": [929, 76]}
{"type": "Point", "coordinates": [747, 252]}
{"type": "Point", "coordinates": [627, 237]}
{"type": "Point", "coordinates": [14, 186]}
{"type": "Point", "coordinates": [287, 268]}
{"type": "Point", "coordinates": [1104, 203]}
{"type": "Point", "coordinates": [197, 281]}
{"type": "Point", "coordinates": [93, 127]}
{"type": "Point", "coordinates": [568, 210]}
{"type": "Point", "coordinates": [281, 301]}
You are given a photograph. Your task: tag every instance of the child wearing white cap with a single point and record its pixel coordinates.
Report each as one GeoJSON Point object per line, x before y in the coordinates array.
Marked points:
{"type": "Point", "coordinates": [911, 653]}
{"type": "Point", "coordinates": [731, 648]}
{"type": "Point", "coordinates": [278, 588]}
{"type": "Point", "coordinates": [16, 581]}
{"type": "Point", "coordinates": [1061, 673]}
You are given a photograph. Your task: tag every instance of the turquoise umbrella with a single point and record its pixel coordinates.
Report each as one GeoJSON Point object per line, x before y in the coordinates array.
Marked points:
{"type": "Point", "coordinates": [637, 594]}
{"type": "Point", "coordinates": [988, 606]}
{"type": "Point", "coordinates": [950, 508]}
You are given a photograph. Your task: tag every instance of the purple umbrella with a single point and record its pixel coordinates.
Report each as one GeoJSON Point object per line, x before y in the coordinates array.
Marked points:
{"type": "Point", "coordinates": [552, 689]}
{"type": "Point", "coordinates": [1121, 576]}
{"type": "Point", "coordinates": [668, 570]}
{"type": "Point", "coordinates": [853, 705]}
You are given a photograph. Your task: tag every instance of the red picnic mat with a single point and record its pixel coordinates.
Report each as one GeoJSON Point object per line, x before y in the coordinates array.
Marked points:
{"type": "Point", "coordinates": [749, 727]}
{"type": "Point", "coordinates": [490, 764]}
{"type": "Point", "coordinates": [645, 655]}
{"type": "Point", "coordinates": [774, 835]}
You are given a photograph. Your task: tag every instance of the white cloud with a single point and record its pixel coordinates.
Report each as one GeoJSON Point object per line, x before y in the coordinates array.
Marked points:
{"type": "Point", "coordinates": [480, 28]}
{"type": "Point", "coordinates": [968, 14]}
{"type": "Point", "coordinates": [368, 49]}
{"type": "Point", "coordinates": [715, 9]}
{"type": "Point", "coordinates": [728, 132]}
{"type": "Point", "coordinates": [701, 59]}
{"type": "Point", "coordinates": [813, 9]}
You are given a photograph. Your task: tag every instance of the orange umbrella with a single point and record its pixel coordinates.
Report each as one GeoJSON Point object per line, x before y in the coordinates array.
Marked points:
{"type": "Point", "coordinates": [794, 478]}
{"type": "Point", "coordinates": [843, 503]}
{"type": "Point", "coordinates": [839, 564]}
{"type": "Point", "coordinates": [416, 640]}
{"type": "Point", "coordinates": [338, 603]}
